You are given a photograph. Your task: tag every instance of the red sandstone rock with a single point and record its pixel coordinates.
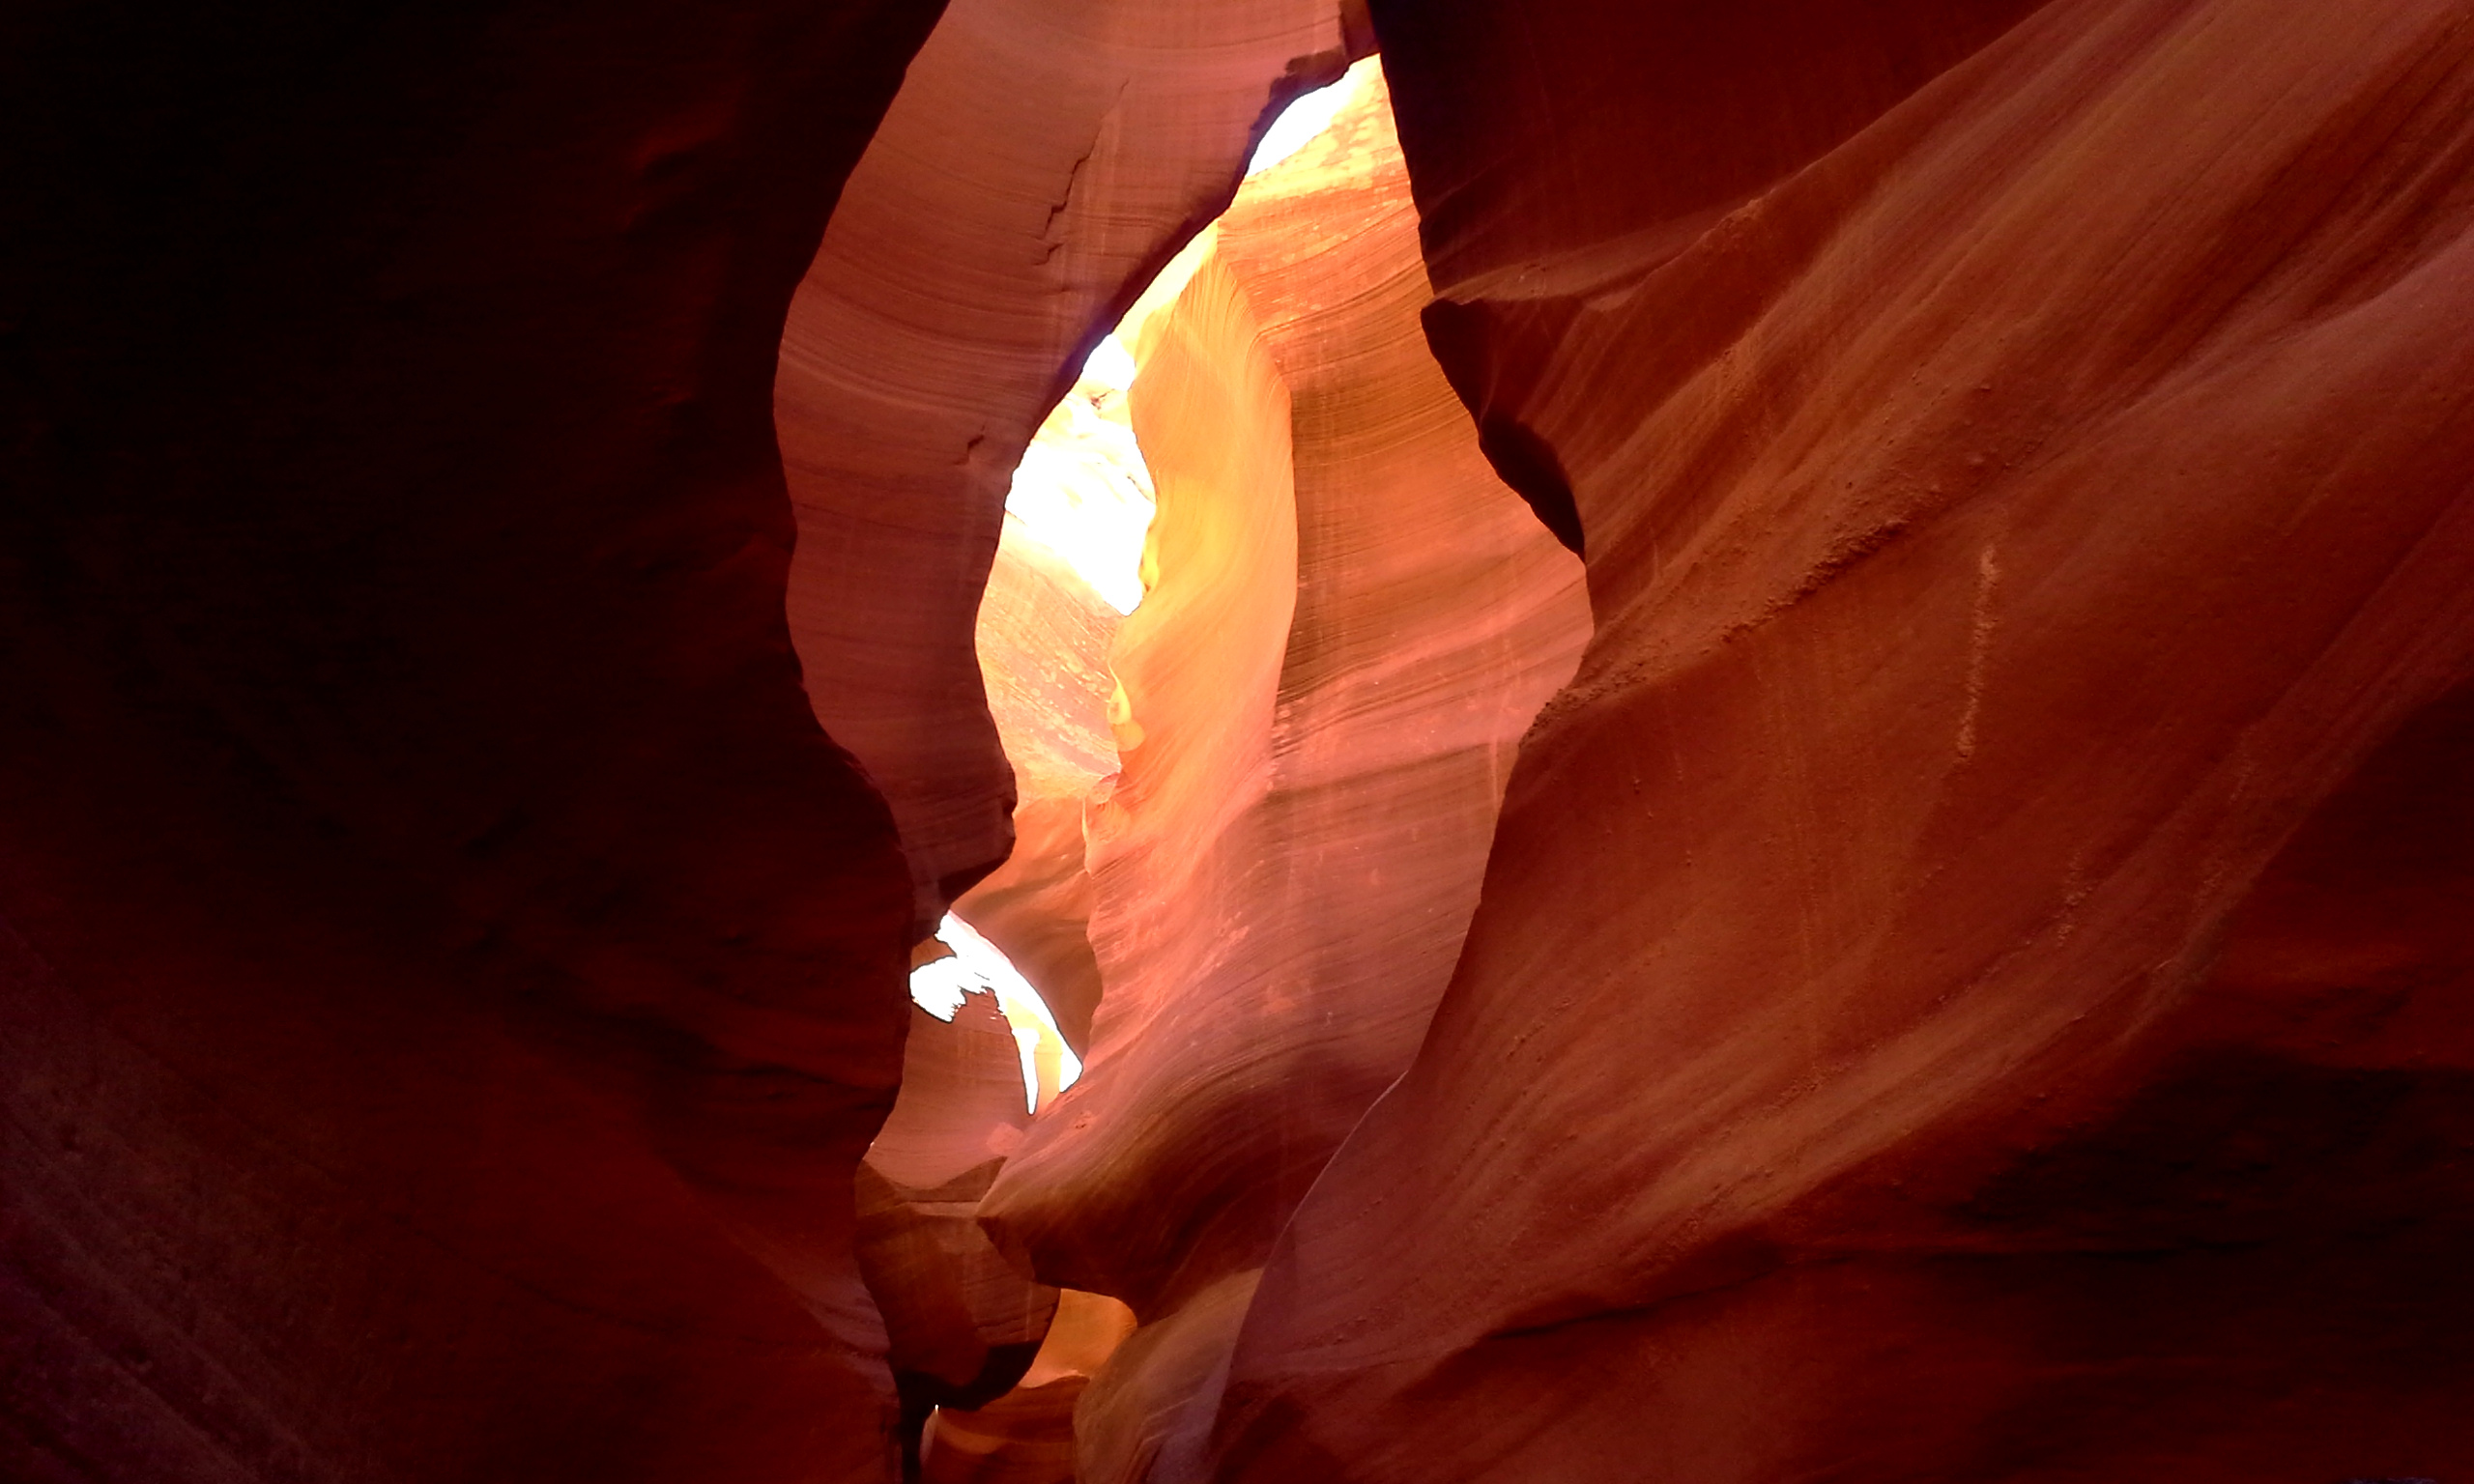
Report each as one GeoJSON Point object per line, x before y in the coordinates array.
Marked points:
{"type": "Point", "coordinates": [1040, 162]}
{"type": "Point", "coordinates": [964, 1325]}
{"type": "Point", "coordinates": [448, 978]}
{"type": "Point", "coordinates": [1351, 623]}
{"type": "Point", "coordinates": [1029, 1436]}
{"type": "Point", "coordinates": [1973, 980]}
{"type": "Point", "coordinates": [1025, 1436]}
{"type": "Point", "coordinates": [1200, 664]}
{"type": "Point", "coordinates": [1970, 982]}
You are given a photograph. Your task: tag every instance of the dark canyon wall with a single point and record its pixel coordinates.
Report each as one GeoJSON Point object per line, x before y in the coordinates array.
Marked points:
{"type": "Point", "coordinates": [1973, 981]}
{"type": "Point", "coordinates": [448, 978]}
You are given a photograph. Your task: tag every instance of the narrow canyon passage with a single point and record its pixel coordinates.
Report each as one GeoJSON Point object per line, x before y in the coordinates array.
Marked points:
{"type": "Point", "coordinates": [785, 742]}
{"type": "Point", "coordinates": [1261, 635]}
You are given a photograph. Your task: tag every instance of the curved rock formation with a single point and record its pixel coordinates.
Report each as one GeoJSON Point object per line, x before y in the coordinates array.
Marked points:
{"type": "Point", "coordinates": [1350, 623]}
{"type": "Point", "coordinates": [1039, 163]}
{"type": "Point", "coordinates": [963, 1326]}
{"type": "Point", "coordinates": [1043, 639]}
{"type": "Point", "coordinates": [1029, 1436]}
{"type": "Point", "coordinates": [1972, 979]}
{"type": "Point", "coordinates": [449, 977]}
{"type": "Point", "coordinates": [1960, 993]}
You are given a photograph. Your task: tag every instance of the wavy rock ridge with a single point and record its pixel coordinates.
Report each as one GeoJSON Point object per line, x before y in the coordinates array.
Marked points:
{"type": "Point", "coordinates": [1350, 622]}
{"type": "Point", "coordinates": [1039, 164]}
{"type": "Point", "coordinates": [1967, 978]}
{"type": "Point", "coordinates": [2028, 528]}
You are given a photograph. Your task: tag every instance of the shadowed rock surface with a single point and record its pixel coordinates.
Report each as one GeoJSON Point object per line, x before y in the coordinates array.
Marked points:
{"type": "Point", "coordinates": [1028, 1436]}
{"type": "Point", "coordinates": [963, 1324]}
{"type": "Point", "coordinates": [1957, 993]}
{"type": "Point", "coordinates": [448, 978]}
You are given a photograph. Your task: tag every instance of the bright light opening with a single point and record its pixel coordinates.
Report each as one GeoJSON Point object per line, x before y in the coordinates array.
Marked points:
{"type": "Point", "coordinates": [1081, 489]}
{"type": "Point", "coordinates": [1049, 1065]}
{"type": "Point", "coordinates": [1083, 492]}
{"type": "Point", "coordinates": [1305, 116]}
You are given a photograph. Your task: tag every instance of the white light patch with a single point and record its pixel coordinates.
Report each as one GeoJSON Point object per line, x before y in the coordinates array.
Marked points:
{"type": "Point", "coordinates": [1309, 115]}
{"type": "Point", "coordinates": [978, 965]}
{"type": "Point", "coordinates": [939, 988]}
{"type": "Point", "coordinates": [1110, 364]}
{"type": "Point", "coordinates": [1083, 490]}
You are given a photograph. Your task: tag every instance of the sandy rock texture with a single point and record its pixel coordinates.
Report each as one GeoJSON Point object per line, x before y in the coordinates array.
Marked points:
{"type": "Point", "coordinates": [1039, 164]}
{"type": "Point", "coordinates": [1351, 622]}
{"type": "Point", "coordinates": [1973, 977]}
{"type": "Point", "coordinates": [447, 977]}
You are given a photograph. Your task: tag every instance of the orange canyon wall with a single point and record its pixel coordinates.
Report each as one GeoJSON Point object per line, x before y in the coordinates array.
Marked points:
{"type": "Point", "coordinates": [1971, 978]}
{"type": "Point", "coordinates": [1352, 623]}
{"type": "Point", "coordinates": [1041, 161]}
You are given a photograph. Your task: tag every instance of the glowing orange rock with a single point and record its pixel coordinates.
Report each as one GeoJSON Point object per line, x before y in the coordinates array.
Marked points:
{"type": "Point", "coordinates": [1351, 622]}
{"type": "Point", "coordinates": [1043, 639]}
{"type": "Point", "coordinates": [1029, 1436]}
{"type": "Point", "coordinates": [1040, 162]}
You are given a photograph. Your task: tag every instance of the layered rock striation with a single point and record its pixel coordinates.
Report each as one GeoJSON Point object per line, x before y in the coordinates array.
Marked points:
{"type": "Point", "coordinates": [1969, 977]}
{"type": "Point", "coordinates": [1961, 991]}
{"type": "Point", "coordinates": [1039, 163]}
{"type": "Point", "coordinates": [1349, 622]}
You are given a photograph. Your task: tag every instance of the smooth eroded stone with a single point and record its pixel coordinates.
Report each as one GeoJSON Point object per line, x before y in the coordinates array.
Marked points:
{"type": "Point", "coordinates": [1352, 623]}
{"type": "Point", "coordinates": [1959, 991]}
{"type": "Point", "coordinates": [1041, 161]}
{"type": "Point", "coordinates": [962, 1323]}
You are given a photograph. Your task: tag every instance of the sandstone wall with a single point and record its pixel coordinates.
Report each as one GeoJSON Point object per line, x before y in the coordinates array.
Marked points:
{"type": "Point", "coordinates": [449, 977]}
{"type": "Point", "coordinates": [1960, 990]}
{"type": "Point", "coordinates": [1041, 161]}
{"type": "Point", "coordinates": [1353, 621]}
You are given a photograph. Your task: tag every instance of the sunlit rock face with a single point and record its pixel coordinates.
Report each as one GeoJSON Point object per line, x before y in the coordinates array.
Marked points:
{"type": "Point", "coordinates": [1349, 621]}
{"type": "Point", "coordinates": [1068, 567]}
{"type": "Point", "coordinates": [1961, 989]}
{"type": "Point", "coordinates": [1040, 162]}
{"type": "Point", "coordinates": [972, 966]}
{"type": "Point", "coordinates": [448, 979]}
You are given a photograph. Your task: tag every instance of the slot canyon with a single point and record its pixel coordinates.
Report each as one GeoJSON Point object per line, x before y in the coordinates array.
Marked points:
{"type": "Point", "coordinates": [1237, 742]}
